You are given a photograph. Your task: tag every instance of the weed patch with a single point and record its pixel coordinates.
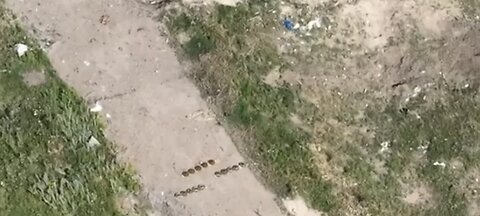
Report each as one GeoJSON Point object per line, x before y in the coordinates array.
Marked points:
{"type": "Point", "coordinates": [47, 168]}
{"type": "Point", "coordinates": [233, 74]}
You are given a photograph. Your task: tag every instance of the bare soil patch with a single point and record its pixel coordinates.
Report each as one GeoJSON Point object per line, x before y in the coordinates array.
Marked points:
{"type": "Point", "coordinates": [34, 78]}
{"type": "Point", "coordinates": [418, 196]}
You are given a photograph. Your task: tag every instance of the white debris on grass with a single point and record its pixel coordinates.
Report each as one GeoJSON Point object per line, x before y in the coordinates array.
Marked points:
{"type": "Point", "coordinates": [415, 93]}
{"type": "Point", "coordinates": [423, 148]}
{"type": "Point", "coordinates": [315, 23]}
{"type": "Point", "coordinates": [21, 49]}
{"type": "Point", "coordinates": [296, 26]}
{"type": "Point", "coordinates": [385, 146]}
{"type": "Point", "coordinates": [442, 164]}
{"type": "Point", "coordinates": [201, 115]}
{"type": "Point", "coordinates": [92, 142]}
{"type": "Point", "coordinates": [417, 90]}
{"type": "Point", "coordinates": [97, 107]}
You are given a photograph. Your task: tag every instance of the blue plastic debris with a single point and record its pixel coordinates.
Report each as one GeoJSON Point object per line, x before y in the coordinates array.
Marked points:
{"type": "Point", "coordinates": [288, 24]}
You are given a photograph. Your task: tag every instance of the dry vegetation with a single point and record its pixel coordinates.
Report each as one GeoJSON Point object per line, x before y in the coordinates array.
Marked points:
{"type": "Point", "coordinates": [368, 107]}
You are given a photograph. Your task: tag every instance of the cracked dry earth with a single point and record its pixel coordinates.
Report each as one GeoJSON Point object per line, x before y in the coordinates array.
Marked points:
{"type": "Point", "coordinates": [112, 51]}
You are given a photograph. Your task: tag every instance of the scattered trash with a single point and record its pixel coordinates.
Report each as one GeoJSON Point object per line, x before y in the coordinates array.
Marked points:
{"type": "Point", "coordinates": [21, 49]}
{"type": "Point", "coordinates": [415, 93]}
{"type": "Point", "coordinates": [104, 19]}
{"type": "Point", "coordinates": [288, 24]}
{"type": "Point", "coordinates": [201, 115]}
{"type": "Point", "coordinates": [108, 116]}
{"type": "Point", "coordinates": [92, 142]}
{"type": "Point", "coordinates": [442, 164]}
{"type": "Point", "coordinates": [157, 3]}
{"type": "Point", "coordinates": [96, 108]}
{"type": "Point", "coordinates": [385, 146]}
{"type": "Point", "coordinates": [315, 23]}
{"type": "Point", "coordinates": [423, 148]}
{"type": "Point", "coordinates": [87, 63]}
{"type": "Point", "coordinates": [417, 90]}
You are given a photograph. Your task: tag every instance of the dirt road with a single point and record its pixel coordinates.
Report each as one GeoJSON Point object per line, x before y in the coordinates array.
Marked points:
{"type": "Point", "coordinates": [111, 51]}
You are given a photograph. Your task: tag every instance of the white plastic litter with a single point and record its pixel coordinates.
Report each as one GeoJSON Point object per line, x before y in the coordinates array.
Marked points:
{"type": "Point", "coordinates": [93, 142]}
{"type": "Point", "coordinates": [442, 164]}
{"type": "Point", "coordinates": [96, 108]}
{"type": "Point", "coordinates": [201, 115]}
{"type": "Point", "coordinates": [21, 49]}
{"type": "Point", "coordinates": [315, 23]}
{"type": "Point", "coordinates": [385, 146]}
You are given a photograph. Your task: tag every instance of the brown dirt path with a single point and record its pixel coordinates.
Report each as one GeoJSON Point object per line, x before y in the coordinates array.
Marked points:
{"type": "Point", "coordinates": [112, 51]}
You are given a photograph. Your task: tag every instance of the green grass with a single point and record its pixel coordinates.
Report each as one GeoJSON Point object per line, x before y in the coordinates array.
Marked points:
{"type": "Point", "coordinates": [231, 72]}
{"type": "Point", "coordinates": [47, 169]}
{"type": "Point", "coordinates": [448, 126]}
{"type": "Point", "coordinates": [450, 130]}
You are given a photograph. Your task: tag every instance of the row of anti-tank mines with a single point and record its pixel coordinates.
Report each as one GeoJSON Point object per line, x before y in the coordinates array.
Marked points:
{"type": "Point", "coordinates": [201, 166]}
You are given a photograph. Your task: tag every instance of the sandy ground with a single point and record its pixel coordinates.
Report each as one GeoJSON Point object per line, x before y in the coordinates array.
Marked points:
{"type": "Point", "coordinates": [111, 51]}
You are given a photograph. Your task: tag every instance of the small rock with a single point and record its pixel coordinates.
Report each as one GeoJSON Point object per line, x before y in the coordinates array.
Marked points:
{"type": "Point", "coordinates": [104, 19]}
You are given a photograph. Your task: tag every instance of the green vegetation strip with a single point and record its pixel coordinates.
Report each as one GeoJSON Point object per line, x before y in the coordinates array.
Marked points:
{"type": "Point", "coordinates": [232, 57]}
{"type": "Point", "coordinates": [47, 167]}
